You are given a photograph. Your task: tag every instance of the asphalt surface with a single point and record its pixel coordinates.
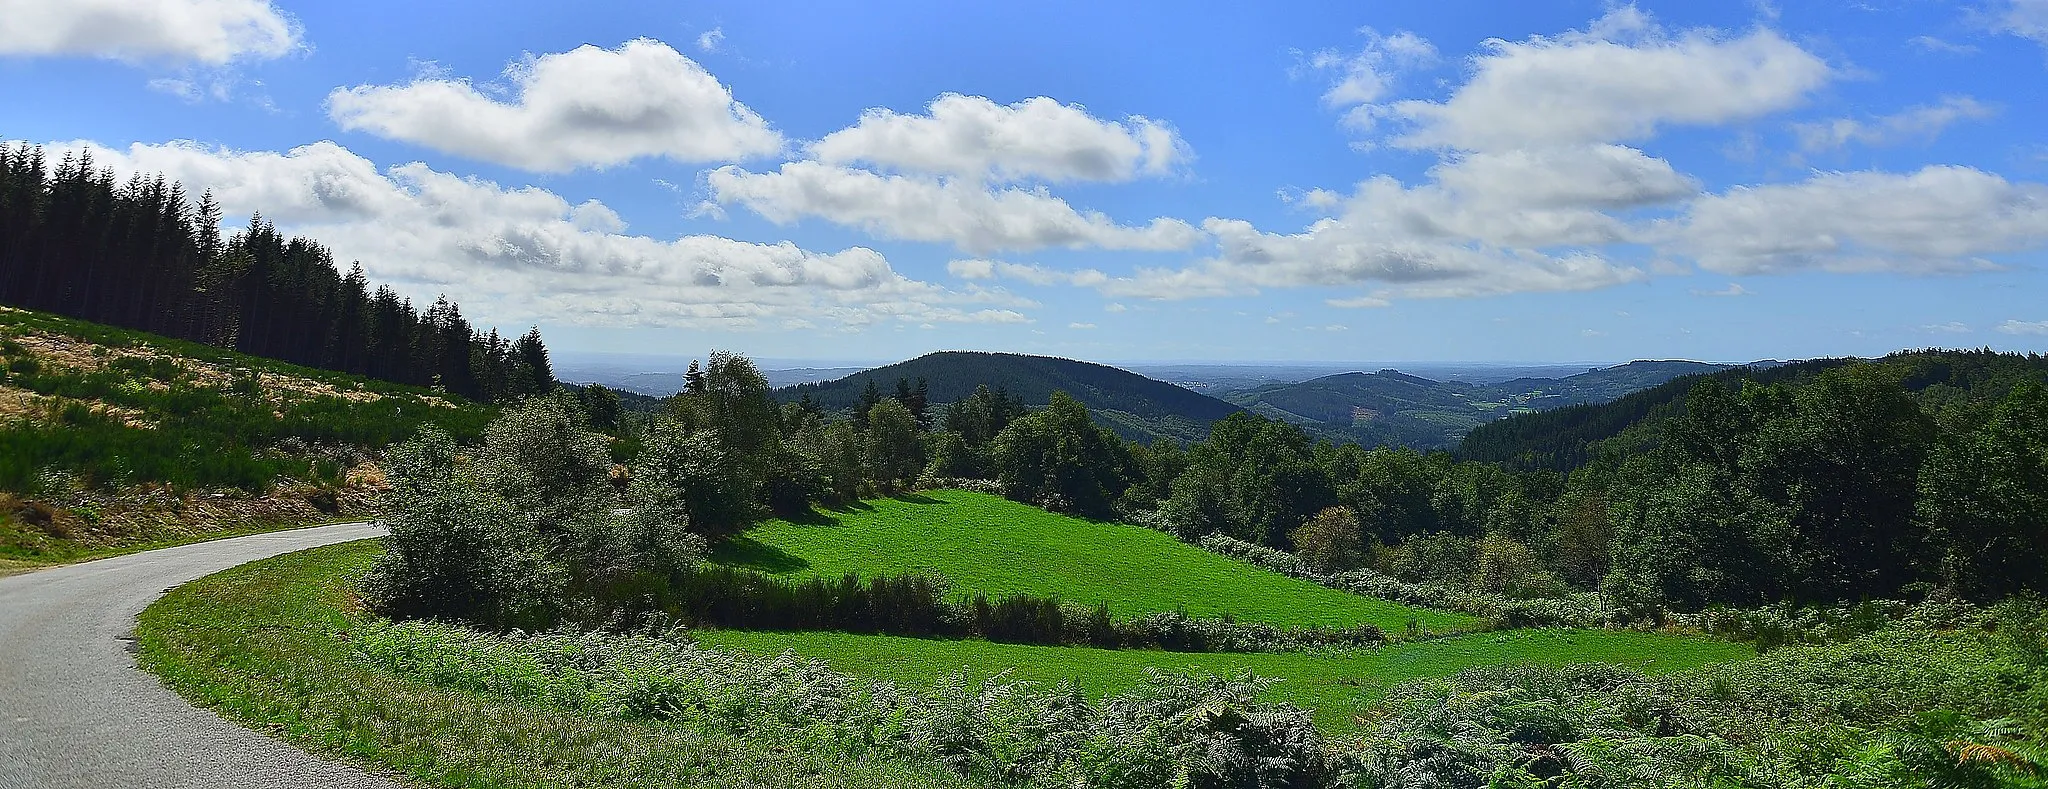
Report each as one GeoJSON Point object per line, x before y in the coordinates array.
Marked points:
{"type": "Point", "coordinates": [75, 711]}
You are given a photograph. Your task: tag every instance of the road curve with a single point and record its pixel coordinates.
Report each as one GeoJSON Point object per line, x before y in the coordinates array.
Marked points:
{"type": "Point", "coordinates": [75, 711]}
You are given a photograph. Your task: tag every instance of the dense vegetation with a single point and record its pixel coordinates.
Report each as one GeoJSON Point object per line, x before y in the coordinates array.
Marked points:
{"type": "Point", "coordinates": [142, 254]}
{"type": "Point", "coordinates": [1136, 407]}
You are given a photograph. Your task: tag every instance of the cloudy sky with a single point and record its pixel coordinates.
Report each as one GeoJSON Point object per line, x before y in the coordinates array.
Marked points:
{"type": "Point", "coordinates": [1454, 181]}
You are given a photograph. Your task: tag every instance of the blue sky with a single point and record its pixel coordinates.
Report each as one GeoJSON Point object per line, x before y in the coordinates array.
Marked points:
{"type": "Point", "coordinates": [1463, 181]}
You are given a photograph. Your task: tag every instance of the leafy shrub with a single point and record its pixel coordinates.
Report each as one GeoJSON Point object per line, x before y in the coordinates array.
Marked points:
{"type": "Point", "coordinates": [523, 533]}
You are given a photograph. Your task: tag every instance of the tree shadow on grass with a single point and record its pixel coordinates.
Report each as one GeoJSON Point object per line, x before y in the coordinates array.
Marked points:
{"type": "Point", "coordinates": [915, 498]}
{"type": "Point", "coordinates": [825, 516]}
{"type": "Point", "coordinates": [744, 551]}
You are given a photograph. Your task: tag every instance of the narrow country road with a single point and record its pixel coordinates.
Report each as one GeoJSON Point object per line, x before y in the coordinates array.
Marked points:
{"type": "Point", "coordinates": [76, 712]}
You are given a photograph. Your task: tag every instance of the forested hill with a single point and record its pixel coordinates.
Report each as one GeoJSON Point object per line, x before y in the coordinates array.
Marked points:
{"type": "Point", "coordinates": [1136, 407]}
{"type": "Point", "coordinates": [1391, 408]}
{"type": "Point", "coordinates": [1566, 438]}
{"type": "Point", "coordinates": [142, 254]}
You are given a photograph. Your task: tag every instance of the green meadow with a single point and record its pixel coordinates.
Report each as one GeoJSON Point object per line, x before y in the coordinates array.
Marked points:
{"type": "Point", "coordinates": [984, 543]}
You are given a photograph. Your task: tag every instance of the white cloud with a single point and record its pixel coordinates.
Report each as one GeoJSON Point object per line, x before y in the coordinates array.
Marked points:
{"type": "Point", "coordinates": [1913, 124]}
{"type": "Point", "coordinates": [1081, 326]}
{"type": "Point", "coordinates": [1378, 241]}
{"type": "Point", "coordinates": [2024, 327]}
{"type": "Point", "coordinates": [1623, 78]}
{"type": "Point", "coordinates": [971, 137]}
{"type": "Point", "coordinates": [526, 253]}
{"type": "Point", "coordinates": [588, 107]}
{"type": "Point", "coordinates": [2025, 18]}
{"type": "Point", "coordinates": [1029, 273]}
{"type": "Point", "coordinates": [1593, 176]}
{"type": "Point", "coordinates": [1951, 327]}
{"type": "Point", "coordinates": [1362, 78]}
{"type": "Point", "coordinates": [913, 208]}
{"type": "Point", "coordinates": [213, 32]}
{"type": "Point", "coordinates": [1932, 44]}
{"type": "Point", "coordinates": [711, 40]}
{"type": "Point", "coordinates": [1734, 289]}
{"type": "Point", "coordinates": [1359, 302]}
{"type": "Point", "coordinates": [1114, 307]}
{"type": "Point", "coordinates": [1941, 218]}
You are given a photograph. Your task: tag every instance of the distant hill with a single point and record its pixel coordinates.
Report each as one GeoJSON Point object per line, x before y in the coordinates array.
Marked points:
{"type": "Point", "coordinates": [1391, 408]}
{"type": "Point", "coordinates": [1134, 406]}
{"type": "Point", "coordinates": [1566, 438]}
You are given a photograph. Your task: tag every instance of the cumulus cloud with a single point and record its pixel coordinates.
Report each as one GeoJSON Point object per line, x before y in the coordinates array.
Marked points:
{"type": "Point", "coordinates": [711, 40]}
{"type": "Point", "coordinates": [957, 175]}
{"type": "Point", "coordinates": [588, 107]}
{"type": "Point", "coordinates": [963, 213]}
{"type": "Point", "coordinates": [1485, 223]}
{"type": "Point", "coordinates": [528, 253]}
{"type": "Point", "coordinates": [1941, 218]}
{"type": "Point", "coordinates": [2024, 327]}
{"type": "Point", "coordinates": [213, 32]}
{"type": "Point", "coordinates": [1081, 326]}
{"type": "Point", "coordinates": [1623, 78]}
{"type": "Point", "coordinates": [1361, 78]}
{"type": "Point", "coordinates": [974, 138]}
{"type": "Point", "coordinates": [1920, 123]}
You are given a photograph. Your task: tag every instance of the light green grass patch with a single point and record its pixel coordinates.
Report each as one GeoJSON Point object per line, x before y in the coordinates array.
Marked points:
{"type": "Point", "coordinates": [990, 544]}
{"type": "Point", "coordinates": [1334, 685]}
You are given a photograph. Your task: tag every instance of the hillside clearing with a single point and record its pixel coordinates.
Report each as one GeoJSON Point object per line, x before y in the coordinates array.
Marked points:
{"type": "Point", "coordinates": [988, 544]}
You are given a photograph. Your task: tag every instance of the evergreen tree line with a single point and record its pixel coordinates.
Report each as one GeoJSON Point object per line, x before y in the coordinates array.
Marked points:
{"type": "Point", "coordinates": [142, 254]}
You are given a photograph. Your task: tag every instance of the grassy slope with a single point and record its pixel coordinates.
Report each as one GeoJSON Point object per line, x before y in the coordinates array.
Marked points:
{"type": "Point", "coordinates": [187, 390]}
{"type": "Point", "coordinates": [1334, 684]}
{"type": "Point", "coordinates": [266, 644]}
{"type": "Point", "coordinates": [990, 544]}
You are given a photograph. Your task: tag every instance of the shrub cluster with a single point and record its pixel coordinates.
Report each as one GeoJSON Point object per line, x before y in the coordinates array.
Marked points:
{"type": "Point", "coordinates": [1954, 696]}
{"type": "Point", "coordinates": [1584, 610]}
{"type": "Point", "coordinates": [1950, 699]}
{"type": "Point", "coordinates": [1198, 731]}
{"type": "Point", "coordinates": [916, 605]}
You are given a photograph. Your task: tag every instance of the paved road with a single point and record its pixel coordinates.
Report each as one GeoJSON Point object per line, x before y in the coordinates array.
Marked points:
{"type": "Point", "coordinates": [76, 712]}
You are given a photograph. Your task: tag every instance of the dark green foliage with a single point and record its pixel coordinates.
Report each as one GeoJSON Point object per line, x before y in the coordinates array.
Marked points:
{"type": "Point", "coordinates": [1133, 405]}
{"type": "Point", "coordinates": [142, 255]}
{"type": "Point", "coordinates": [1253, 479]}
{"type": "Point", "coordinates": [1057, 458]}
{"type": "Point", "coordinates": [893, 453]}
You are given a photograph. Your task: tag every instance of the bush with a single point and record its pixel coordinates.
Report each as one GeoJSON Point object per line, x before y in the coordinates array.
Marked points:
{"type": "Point", "coordinates": [1330, 541]}
{"type": "Point", "coordinates": [523, 533]}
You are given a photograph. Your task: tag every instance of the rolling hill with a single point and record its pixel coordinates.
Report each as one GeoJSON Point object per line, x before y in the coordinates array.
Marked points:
{"type": "Point", "coordinates": [1136, 407]}
{"type": "Point", "coordinates": [1391, 408]}
{"type": "Point", "coordinates": [1566, 438]}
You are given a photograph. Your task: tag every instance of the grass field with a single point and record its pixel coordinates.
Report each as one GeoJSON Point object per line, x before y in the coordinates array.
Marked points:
{"type": "Point", "coordinates": [990, 544]}
{"type": "Point", "coordinates": [267, 644]}
{"type": "Point", "coordinates": [1334, 685]}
